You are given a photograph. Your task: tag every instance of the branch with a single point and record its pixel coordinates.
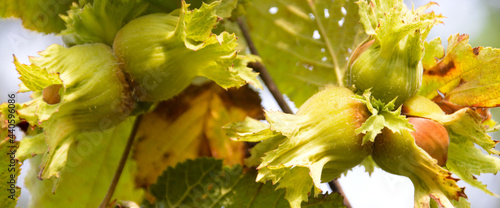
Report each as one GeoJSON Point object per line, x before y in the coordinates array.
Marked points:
{"type": "Point", "coordinates": [266, 77]}
{"type": "Point", "coordinates": [335, 186]}
{"type": "Point", "coordinates": [121, 165]}
{"type": "Point", "coordinates": [268, 81]}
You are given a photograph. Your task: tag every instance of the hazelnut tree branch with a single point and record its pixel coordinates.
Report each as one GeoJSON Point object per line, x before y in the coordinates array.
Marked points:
{"type": "Point", "coordinates": [121, 164]}
{"type": "Point", "coordinates": [278, 96]}
{"type": "Point", "coordinates": [264, 75]}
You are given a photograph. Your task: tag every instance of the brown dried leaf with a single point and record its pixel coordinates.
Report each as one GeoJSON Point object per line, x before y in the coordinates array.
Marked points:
{"type": "Point", "coordinates": [189, 126]}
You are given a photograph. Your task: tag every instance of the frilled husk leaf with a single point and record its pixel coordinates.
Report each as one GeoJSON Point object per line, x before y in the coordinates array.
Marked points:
{"type": "Point", "coordinates": [316, 145]}
{"type": "Point", "coordinates": [93, 96]}
{"type": "Point", "coordinates": [466, 130]}
{"type": "Point", "coordinates": [389, 62]}
{"type": "Point", "coordinates": [98, 21]}
{"type": "Point", "coordinates": [397, 153]}
{"type": "Point", "coordinates": [163, 53]}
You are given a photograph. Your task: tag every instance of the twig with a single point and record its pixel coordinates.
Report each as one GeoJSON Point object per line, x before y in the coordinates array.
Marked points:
{"type": "Point", "coordinates": [335, 186]}
{"type": "Point", "coordinates": [121, 165]}
{"type": "Point", "coordinates": [268, 81]}
{"type": "Point", "coordinates": [259, 67]}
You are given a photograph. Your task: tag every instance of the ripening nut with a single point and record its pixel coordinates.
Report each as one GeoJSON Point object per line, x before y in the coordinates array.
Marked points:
{"type": "Point", "coordinates": [150, 58]}
{"type": "Point", "coordinates": [432, 137]}
{"type": "Point", "coordinates": [321, 135]}
{"type": "Point", "coordinates": [162, 54]}
{"type": "Point", "coordinates": [89, 94]}
{"type": "Point", "coordinates": [398, 153]}
{"type": "Point", "coordinates": [315, 145]}
{"type": "Point", "coordinates": [93, 95]}
{"type": "Point", "coordinates": [389, 71]}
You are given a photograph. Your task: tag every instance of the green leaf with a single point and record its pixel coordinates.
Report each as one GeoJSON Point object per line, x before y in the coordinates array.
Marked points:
{"type": "Point", "coordinates": [35, 78]}
{"type": "Point", "coordinates": [227, 71]}
{"type": "Point", "coordinates": [304, 44]}
{"type": "Point", "coordinates": [199, 22]}
{"type": "Point", "coordinates": [369, 165]}
{"type": "Point", "coordinates": [466, 130]}
{"type": "Point", "coordinates": [464, 74]}
{"type": "Point", "coordinates": [30, 146]}
{"type": "Point", "coordinates": [433, 52]}
{"type": "Point", "coordinates": [383, 115]}
{"type": "Point", "coordinates": [91, 164]}
{"type": "Point", "coordinates": [207, 183]}
{"type": "Point", "coordinates": [390, 22]}
{"type": "Point", "coordinates": [464, 159]}
{"type": "Point", "coordinates": [99, 21]}
{"type": "Point", "coordinates": [224, 9]}
{"type": "Point", "coordinates": [250, 130]}
{"type": "Point", "coordinates": [11, 168]}
{"type": "Point", "coordinates": [37, 15]}
{"type": "Point", "coordinates": [5, 111]}
{"type": "Point", "coordinates": [467, 123]}
{"type": "Point", "coordinates": [461, 203]}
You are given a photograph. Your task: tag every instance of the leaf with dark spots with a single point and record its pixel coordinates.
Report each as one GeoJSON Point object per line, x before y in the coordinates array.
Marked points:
{"type": "Point", "coordinates": [441, 69]}
{"type": "Point", "coordinates": [189, 126]}
{"type": "Point", "coordinates": [463, 75]}
{"type": "Point", "coordinates": [476, 50]}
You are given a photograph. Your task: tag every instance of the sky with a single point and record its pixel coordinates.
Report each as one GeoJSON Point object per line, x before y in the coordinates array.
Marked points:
{"type": "Point", "coordinates": [363, 191]}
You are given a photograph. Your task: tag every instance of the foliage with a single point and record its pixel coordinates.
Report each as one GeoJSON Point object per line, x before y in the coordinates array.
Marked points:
{"type": "Point", "coordinates": [353, 69]}
{"type": "Point", "coordinates": [99, 21]}
{"type": "Point", "coordinates": [189, 126]}
{"type": "Point", "coordinates": [172, 49]}
{"type": "Point", "coordinates": [388, 63]}
{"type": "Point", "coordinates": [37, 15]}
{"type": "Point", "coordinates": [90, 165]}
{"type": "Point", "coordinates": [308, 147]}
{"type": "Point", "coordinates": [208, 184]}
{"type": "Point", "coordinates": [305, 44]}
{"type": "Point", "coordinates": [12, 169]}
{"type": "Point", "coordinates": [462, 73]}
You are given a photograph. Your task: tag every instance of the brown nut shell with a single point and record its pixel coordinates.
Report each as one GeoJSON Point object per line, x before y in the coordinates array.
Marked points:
{"type": "Point", "coordinates": [432, 137]}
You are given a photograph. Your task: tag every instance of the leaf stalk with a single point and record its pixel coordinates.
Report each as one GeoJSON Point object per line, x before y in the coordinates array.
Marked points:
{"type": "Point", "coordinates": [263, 73]}
{"type": "Point", "coordinates": [121, 164]}
{"type": "Point", "coordinates": [278, 96]}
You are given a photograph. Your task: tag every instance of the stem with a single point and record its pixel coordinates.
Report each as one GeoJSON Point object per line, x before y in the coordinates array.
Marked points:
{"type": "Point", "coordinates": [268, 81]}
{"type": "Point", "coordinates": [266, 77]}
{"type": "Point", "coordinates": [335, 186]}
{"type": "Point", "coordinates": [121, 165]}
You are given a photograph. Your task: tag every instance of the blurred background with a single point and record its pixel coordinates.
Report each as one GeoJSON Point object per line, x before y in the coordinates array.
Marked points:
{"type": "Point", "coordinates": [480, 19]}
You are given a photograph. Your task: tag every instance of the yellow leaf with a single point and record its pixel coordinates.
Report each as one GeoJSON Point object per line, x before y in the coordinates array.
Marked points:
{"type": "Point", "coordinates": [464, 74]}
{"type": "Point", "coordinates": [189, 126]}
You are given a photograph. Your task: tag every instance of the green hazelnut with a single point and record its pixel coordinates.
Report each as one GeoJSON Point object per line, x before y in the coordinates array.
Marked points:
{"type": "Point", "coordinates": [389, 74]}
{"type": "Point", "coordinates": [398, 153]}
{"type": "Point", "coordinates": [163, 53]}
